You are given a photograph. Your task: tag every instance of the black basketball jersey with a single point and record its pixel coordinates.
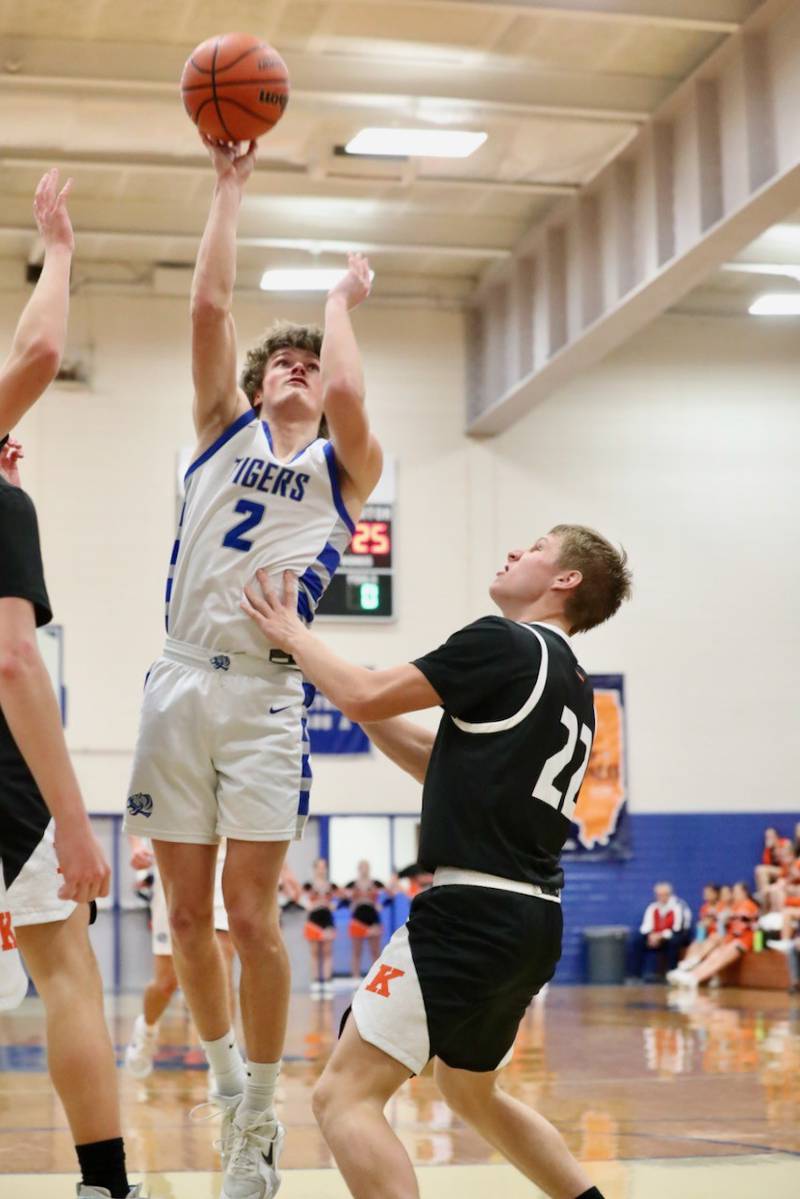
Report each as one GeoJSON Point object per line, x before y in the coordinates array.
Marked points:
{"type": "Point", "coordinates": [511, 751]}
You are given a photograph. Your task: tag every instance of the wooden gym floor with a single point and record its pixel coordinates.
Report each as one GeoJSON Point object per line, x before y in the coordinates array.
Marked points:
{"type": "Point", "coordinates": [659, 1094]}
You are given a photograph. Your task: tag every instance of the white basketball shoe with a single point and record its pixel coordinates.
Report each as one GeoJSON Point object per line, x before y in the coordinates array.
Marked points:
{"type": "Point", "coordinates": [252, 1169]}
{"type": "Point", "coordinates": [141, 1050]}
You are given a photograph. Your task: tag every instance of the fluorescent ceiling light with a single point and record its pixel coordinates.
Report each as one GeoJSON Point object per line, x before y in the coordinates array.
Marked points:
{"type": "Point", "coordinates": [777, 304]}
{"type": "Point", "coordinates": [303, 279]}
{"type": "Point", "coordinates": [416, 143]}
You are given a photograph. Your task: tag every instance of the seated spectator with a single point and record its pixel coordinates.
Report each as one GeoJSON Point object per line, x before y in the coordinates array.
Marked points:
{"type": "Point", "coordinates": [707, 916]}
{"type": "Point", "coordinates": [769, 868]}
{"type": "Point", "coordinates": [736, 940]}
{"type": "Point", "coordinates": [786, 880]}
{"type": "Point", "coordinates": [662, 929]}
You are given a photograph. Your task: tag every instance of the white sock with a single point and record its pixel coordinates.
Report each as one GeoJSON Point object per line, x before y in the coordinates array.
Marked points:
{"type": "Point", "coordinates": [226, 1063]}
{"type": "Point", "coordinates": [259, 1093]}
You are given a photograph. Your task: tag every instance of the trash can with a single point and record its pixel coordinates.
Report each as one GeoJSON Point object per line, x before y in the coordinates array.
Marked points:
{"type": "Point", "coordinates": [606, 949]}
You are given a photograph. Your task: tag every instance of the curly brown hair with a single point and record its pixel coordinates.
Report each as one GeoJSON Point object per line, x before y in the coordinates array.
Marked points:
{"type": "Point", "coordinates": [607, 581]}
{"type": "Point", "coordinates": [281, 335]}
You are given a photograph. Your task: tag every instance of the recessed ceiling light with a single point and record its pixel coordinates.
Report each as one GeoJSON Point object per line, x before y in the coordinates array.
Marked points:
{"type": "Point", "coordinates": [777, 304]}
{"type": "Point", "coordinates": [416, 143]}
{"type": "Point", "coordinates": [302, 278]}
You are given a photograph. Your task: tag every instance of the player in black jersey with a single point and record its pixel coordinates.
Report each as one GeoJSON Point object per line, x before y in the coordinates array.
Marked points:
{"type": "Point", "coordinates": [501, 780]}
{"type": "Point", "coordinates": [52, 865]}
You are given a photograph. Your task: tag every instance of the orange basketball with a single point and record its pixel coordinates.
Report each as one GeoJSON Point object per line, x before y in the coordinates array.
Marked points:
{"type": "Point", "coordinates": [235, 87]}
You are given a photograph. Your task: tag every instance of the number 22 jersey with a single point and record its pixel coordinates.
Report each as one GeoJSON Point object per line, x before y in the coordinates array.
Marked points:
{"type": "Point", "coordinates": [245, 510]}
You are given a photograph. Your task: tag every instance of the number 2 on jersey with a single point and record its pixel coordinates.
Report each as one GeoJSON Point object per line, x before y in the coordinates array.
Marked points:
{"type": "Point", "coordinates": [233, 539]}
{"type": "Point", "coordinates": [545, 788]}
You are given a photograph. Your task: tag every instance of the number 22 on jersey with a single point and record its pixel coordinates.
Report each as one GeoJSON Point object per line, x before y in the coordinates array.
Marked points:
{"type": "Point", "coordinates": [545, 788]}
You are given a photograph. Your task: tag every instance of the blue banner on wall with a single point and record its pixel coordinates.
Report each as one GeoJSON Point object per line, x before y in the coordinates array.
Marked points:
{"type": "Point", "coordinates": [601, 830]}
{"type": "Point", "coordinates": [330, 732]}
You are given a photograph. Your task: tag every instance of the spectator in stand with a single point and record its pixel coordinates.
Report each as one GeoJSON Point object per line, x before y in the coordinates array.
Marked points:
{"type": "Point", "coordinates": [769, 868]}
{"type": "Point", "coordinates": [797, 840]}
{"type": "Point", "coordinates": [662, 929]}
{"type": "Point", "coordinates": [776, 893]}
{"type": "Point", "coordinates": [707, 916]}
{"type": "Point", "coordinates": [737, 939]}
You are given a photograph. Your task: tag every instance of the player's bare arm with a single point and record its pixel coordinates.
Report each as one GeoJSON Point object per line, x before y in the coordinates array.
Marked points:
{"type": "Point", "coordinates": [403, 742]}
{"type": "Point", "coordinates": [358, 453]}
{"type": "Point", "coordinates": [29, 705]}
{"type": "Point", "coordinates": [41, 333]}
{"type": "Point", "coordinates": [217, 398]}
{"type": "Point", "coordinates": [363, 695]}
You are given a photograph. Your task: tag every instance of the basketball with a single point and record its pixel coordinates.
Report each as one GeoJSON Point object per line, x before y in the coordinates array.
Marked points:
{"type": "Point", "coordinates": [235, 87]}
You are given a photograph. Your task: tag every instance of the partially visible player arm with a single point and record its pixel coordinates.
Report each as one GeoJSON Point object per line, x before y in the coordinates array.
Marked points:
{"type": "Point", "coordinates": [41, 332]}
{"type": "Point", "coordinates": [217, 399]}
{"type": "Point", "coordinates": [357, 450]}
{"type": "Point", "coordinates": [363, 695]}
{"type": "Point", "coordinates": [405, 743]}
{"type": "Point", "coordinates": [31, 710]}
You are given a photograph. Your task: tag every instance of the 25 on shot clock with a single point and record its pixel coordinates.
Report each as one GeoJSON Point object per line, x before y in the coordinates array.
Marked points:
{"type": "Point", "coordinates": [362, 587]}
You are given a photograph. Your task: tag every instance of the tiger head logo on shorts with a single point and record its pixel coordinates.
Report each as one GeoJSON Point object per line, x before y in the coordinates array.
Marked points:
{"type": "Point", "coordinates": [140, 804]}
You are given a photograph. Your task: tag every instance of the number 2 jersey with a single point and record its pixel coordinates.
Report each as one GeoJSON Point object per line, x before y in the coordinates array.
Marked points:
{"type": "Point", "coordinates": [245, 510]}
{"type": "Point", "coordinates": [511, 751]}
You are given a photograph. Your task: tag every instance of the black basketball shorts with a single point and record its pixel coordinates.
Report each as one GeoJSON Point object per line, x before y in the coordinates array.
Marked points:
{"type": "Point", "coordinates": [455, 980]}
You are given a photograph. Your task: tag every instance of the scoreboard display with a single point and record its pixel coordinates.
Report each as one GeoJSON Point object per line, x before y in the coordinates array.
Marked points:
{"type": "Point", "coordinates": [361, 589]}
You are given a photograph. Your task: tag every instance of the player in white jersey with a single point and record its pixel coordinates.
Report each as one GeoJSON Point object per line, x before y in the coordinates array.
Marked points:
{"type": "Point", "coordinates": [222, 748]}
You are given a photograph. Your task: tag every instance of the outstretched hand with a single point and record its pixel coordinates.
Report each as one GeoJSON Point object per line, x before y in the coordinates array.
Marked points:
{"type": "Point", "coordinates": [276, 616]}
{"type": "Point", "coordinates": [228, 161]}
{"type": "Point", "coordinates": [10, 455]}
{"type": "Point", "coordinates": [50, 211]}
{"type": "Point", "coordinates": [356, 284]}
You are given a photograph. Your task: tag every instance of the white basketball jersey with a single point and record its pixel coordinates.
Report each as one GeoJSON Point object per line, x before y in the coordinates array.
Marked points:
{"type": "Point", "coordinates": [245, 510]}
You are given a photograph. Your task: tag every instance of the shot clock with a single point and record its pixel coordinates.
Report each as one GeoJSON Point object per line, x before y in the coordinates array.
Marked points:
{"type": "Point", "coordinates": [362, 587]}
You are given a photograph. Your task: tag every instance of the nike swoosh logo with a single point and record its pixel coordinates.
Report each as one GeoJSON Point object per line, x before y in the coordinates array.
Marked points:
{"type": "Point", "coordinates": [274, 711]}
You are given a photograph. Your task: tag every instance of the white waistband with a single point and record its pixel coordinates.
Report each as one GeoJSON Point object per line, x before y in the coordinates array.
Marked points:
{"type": "Point", "coordinates": [448, 876]}
{"type": "Point", "coordinates": [228, 663]}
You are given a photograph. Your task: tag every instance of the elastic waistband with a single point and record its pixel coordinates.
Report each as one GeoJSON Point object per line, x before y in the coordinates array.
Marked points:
{"type": "Point", "coordinates": [270, 667]}
{"type": "Point", "coordinates": [448, 876]}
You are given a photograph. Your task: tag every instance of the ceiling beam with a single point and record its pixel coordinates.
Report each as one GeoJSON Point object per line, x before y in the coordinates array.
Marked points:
{"type": "Point", "coordinates": [306, 245]}
{"type": "Point", "coordinates": [718, 165]}
{"type": "Point", "coordinates": [273, 170]}
{"type": "Point", "coordinates": [416, 89]}
{"type": "Point", "coordinates": [701, 16]}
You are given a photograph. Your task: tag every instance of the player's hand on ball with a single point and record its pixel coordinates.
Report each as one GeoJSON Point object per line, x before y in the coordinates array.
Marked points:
{"type": "Point", "coordinates": [82, 862]}
{"type": "Point", "coordinates": [228, 162]}
{"type": "Point", "coordinates": [50, 211]}
{"type": "Point", "coordinates": [275, 615]}
{"type": "Point", "coordinates": [355, 285]}
{"type": "Point", "coordinates": [9, 461]}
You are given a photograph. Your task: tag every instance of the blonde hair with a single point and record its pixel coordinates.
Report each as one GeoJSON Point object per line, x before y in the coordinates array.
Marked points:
{"type": "Point", "coordinates": [606, 581]}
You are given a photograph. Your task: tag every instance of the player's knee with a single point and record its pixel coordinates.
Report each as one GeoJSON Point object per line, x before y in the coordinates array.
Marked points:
{"type": "Point", "coordinates": [323, 1099]}
{"type": "Point", "coordinates": [190, 926]}
{"type": "Point", "coordinates": [254, 932]}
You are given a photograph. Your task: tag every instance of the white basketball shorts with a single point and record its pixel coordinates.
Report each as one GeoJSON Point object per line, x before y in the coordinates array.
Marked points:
{"type": "Point", "coordinates": [13, 980]}
{"type": "Point", "coordinates": [222, 750]}
{"type": "Point", "coordinates": [159, 917]}
{"type": "Point", "coordinates": [33, 895]}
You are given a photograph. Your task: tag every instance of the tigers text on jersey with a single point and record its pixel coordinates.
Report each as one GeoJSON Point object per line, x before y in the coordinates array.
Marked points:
{"type": "Point", "coordinates": [244, 510]}
{"type": "Point", "coordinates": [511, 750]}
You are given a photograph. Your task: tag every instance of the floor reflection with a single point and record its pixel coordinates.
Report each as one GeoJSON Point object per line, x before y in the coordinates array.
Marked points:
{"type": "Point", "coordinates": [625, 1073]}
